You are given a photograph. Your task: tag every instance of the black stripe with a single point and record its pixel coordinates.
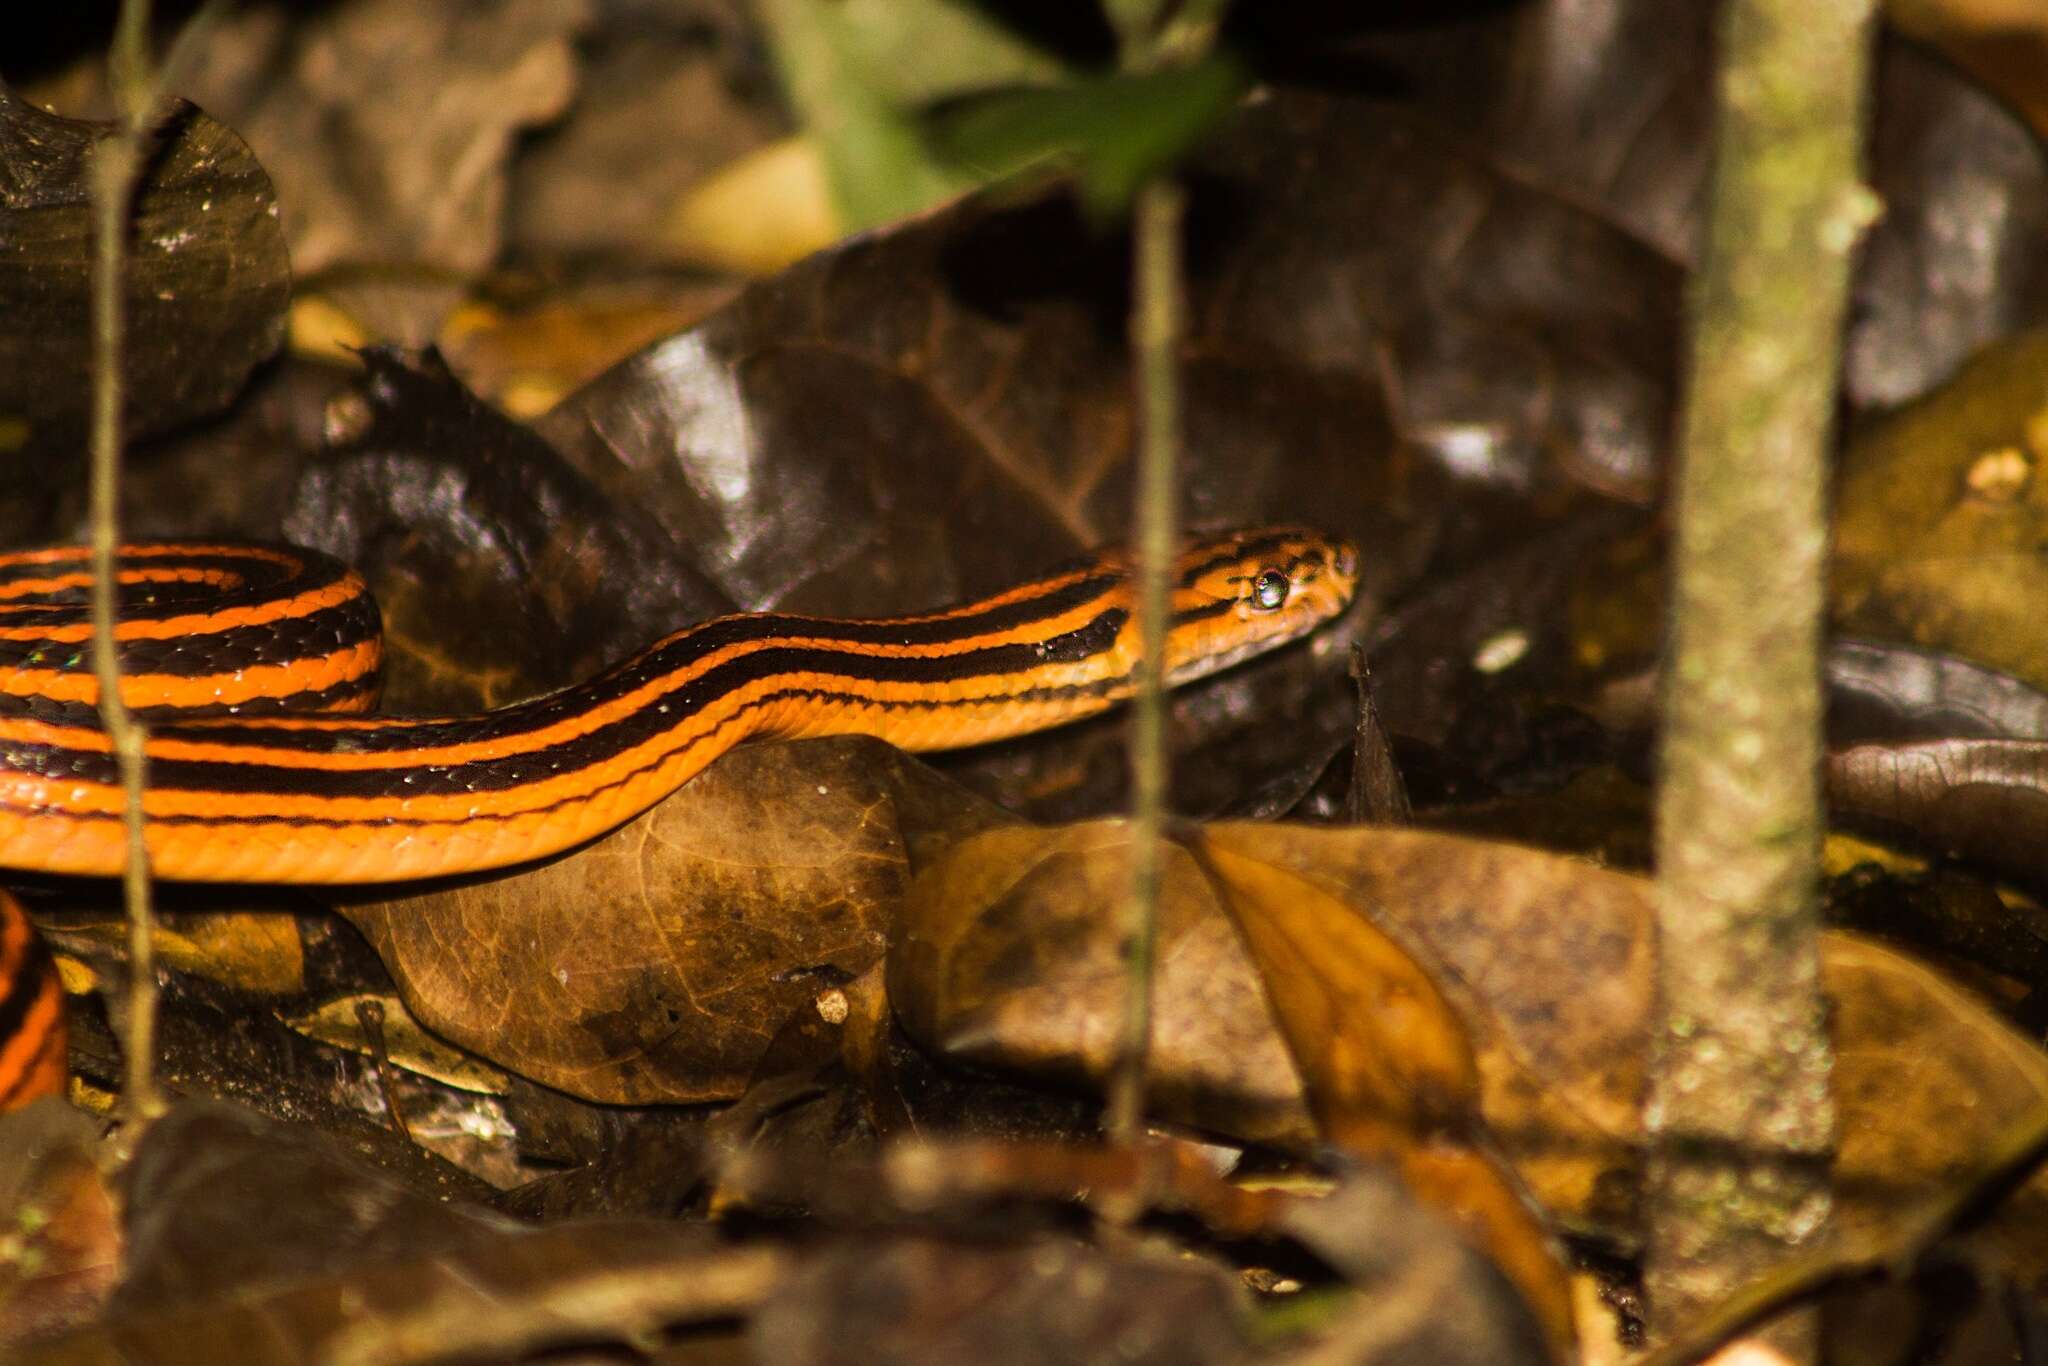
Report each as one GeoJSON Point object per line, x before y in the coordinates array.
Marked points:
{"type": "Point", "coordinates": [1105, 688]}
{"type": "Point", "coordinates": [398, 735]}
{"type": "Point", "coordinates": [1010, 616]}
{"type": "Point", "coordinates": [262, 579]}
{"type": "Point", "coordinates": [349, 623]}
{"type": "Point", "coordinates": [29, 1068]}
{"type": "Point", "coordinates": [1231, 552]}
{"type": "Point", "coordinates": [671, 710]}
{"type": "Point", "coordinates": [1215, 607]}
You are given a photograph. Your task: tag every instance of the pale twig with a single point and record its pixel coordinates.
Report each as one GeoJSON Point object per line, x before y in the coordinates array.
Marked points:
{"type": "Point", "coordinates": [1155, 343]}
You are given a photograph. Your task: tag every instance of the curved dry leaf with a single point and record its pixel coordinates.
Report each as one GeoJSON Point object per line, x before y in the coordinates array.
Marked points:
{"type": "Point", "coordinates": [1005, 955]}
{"type": "Point", "coordinates": [1381, 1053]}
{"type": "Point", "coordinates": [1985, 801]}
{"type": "Point", "coordinates": [656, 964]}
{"type": "Point", "coordinates": [1548, 961]}
{"type": "Point", "coordinates": [1925, 1077]}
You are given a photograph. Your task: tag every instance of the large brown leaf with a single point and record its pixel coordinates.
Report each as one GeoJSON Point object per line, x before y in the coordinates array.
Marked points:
{"type": "Point", "coordinates": [1546, 961]}
{"type": "Point", "coordinates": [658, 963]}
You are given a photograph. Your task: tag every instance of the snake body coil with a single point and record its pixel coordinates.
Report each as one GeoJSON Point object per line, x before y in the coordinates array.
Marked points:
{"type": "Point", "coordinates": [255, 631]}
{"type": "Point", "coordinates": [224, 645]}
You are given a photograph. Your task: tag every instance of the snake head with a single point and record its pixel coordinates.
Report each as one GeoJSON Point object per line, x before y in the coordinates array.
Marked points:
{"type": "Point", "coordinates": [1242, 593]}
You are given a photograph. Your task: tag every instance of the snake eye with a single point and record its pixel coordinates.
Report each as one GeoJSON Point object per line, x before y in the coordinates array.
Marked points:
{"type": "Point", "coordinates": [1269, 590]}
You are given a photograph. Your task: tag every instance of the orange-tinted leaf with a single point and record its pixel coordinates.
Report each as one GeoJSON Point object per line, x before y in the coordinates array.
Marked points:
{"type": "Point", "coordinates": [1006, 955]}
{"type": "Point", "coordinates": [1380, 1052]}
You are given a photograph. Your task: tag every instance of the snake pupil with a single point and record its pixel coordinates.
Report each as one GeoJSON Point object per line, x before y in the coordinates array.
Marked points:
{"type": "Point", "coordinates": [1269, 590]}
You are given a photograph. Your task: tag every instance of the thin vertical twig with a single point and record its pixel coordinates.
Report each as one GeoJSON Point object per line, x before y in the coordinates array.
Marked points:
{"type": "Point", "coordinates": [116, 163]}
{"type": "Point", "coordinates": [1155, 341]}
{"type": "Point", "coordinates": [1740, 1113]}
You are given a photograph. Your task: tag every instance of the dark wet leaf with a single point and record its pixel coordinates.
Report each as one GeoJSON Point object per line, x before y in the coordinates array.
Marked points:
{"type": "Point", "coordinates": [1045, 1298]}
{"type": "Point", "coordinates": [942, 410]}
{"type": "Point", "coordinates": [205, 287]}
{"type": "Point", "coordinates": [1961, 924]}
{"type": "Point", "coordinates": [221, 1201]}
{"type": "Point", "coordinates": [500, 571]}
{"type": "Point", "coordinates": [658, 963]}
{"type": "Point", "coordinates": [1985, 801]}
{"type": "Point", "coordinates": [1613, 100]}
{"type": "Point", "coordinates": [1879, 691]}
{"type": "Point", "coordinates": [256, 1242]}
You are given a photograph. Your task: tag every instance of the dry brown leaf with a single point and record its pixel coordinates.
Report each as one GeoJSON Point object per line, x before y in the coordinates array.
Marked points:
{"type": "Point", "coordinates": [1385, 1061]}
{"type": "Point", "coordinates": [389, 124]}
{"type": "Point", "coordinates": [1546, 959]}
{"type": "Point", "coordinates": [656, 964]}
{"type": "Point", "coordinates": [1003, 956]}
{"type": "Point", "coordinates": [1381, 1053]}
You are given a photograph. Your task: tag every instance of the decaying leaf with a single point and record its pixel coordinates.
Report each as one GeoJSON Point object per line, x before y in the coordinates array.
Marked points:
{"type": "Point", "coordinates": [1546, 962]}
{"type": "Point", "coordinates": [339, 1022]}
{"type": "Point", "coordinates": [258, 1242]}
{"type": "Point", "coordinates": [657, 963]}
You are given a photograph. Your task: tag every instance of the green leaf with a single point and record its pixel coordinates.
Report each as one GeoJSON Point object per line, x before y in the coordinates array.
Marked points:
{"type": "Point", "coordinates": [1115, 132]}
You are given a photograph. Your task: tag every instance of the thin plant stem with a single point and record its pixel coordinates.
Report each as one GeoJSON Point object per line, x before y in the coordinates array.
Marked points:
{"type": "Point", "coordinates": [116, 162]}
{"type": "Point", "coordinates": [1155, 341]}
{"type": "Point", "coordinates": [1740, 1112]}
